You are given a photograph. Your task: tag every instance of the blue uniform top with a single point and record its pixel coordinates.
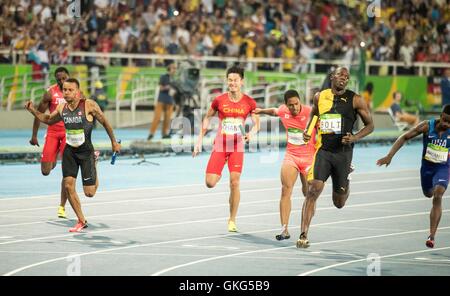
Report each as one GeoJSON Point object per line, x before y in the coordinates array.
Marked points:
{"type": "Point", "coordinates": [435, 147]}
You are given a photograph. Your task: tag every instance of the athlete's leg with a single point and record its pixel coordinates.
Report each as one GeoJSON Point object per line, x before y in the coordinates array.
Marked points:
{"type": "Point", "coordinates": [211, 180]}
{"type": "Point", "coordinates": [317, 175]}
{"type": "Point", "coordinates": [341, 184]}
{"type": "Point", "coordinates": [74, 200]}
{"type": "Point", "coordinates": [288, 178]}
{"type": "Point", "coordinates": [304, 184]}
{"type": "Point", "coordinates": [47, 167]}
{"type": "Point", "coordinates": [341, 196]}
{"type": "Point", "coordinates": [436, 210]}
{"type": "Point", "coordinates": [214, 168]}
{"type": "Point", "coordinates": [235, 163]}
{"type": "Point", "coordinates": [315, 188]}
{"type": "Point", "coordinates": [89, 175]}
{"type": "Point", "coordinates": [235, 194]}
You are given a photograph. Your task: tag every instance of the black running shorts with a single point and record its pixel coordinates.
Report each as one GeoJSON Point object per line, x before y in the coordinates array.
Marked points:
{"type": "Point", "coordinates": [336, 164]}
{"type": "Point", "coordinates": [85, 159]}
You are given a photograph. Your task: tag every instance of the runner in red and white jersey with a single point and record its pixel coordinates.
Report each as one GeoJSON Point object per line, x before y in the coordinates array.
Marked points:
{"type": "Point", "coordinates": [232, 108]}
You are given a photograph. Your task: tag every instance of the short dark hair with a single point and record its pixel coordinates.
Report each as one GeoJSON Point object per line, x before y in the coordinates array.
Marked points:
{"type": "Point", "coordinates": [61, 69]}
{"type": "Point", "coordinates": [291, 93]}
{"type": "Point", "coordinates": [446, 109]}
{"type": "Point", "coordinates": [237, 70]}
{"type": "Point", "coordinates": [73, 80]}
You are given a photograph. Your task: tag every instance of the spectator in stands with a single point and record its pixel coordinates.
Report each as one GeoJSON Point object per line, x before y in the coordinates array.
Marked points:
{"type": "Point", "coordinates": [399, 114]}
{"type": "Point", "coordinates": [100, 97]}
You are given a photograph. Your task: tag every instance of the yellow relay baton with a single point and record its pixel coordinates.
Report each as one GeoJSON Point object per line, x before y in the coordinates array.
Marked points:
{"type": "Point", "coordinates": [312, 125]}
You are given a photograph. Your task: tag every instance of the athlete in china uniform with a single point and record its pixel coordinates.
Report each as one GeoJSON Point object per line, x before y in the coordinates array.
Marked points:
{"type": "Point", "coordinates": [299, 155]}
{"type": "Point", "coordinates": [232, 108]}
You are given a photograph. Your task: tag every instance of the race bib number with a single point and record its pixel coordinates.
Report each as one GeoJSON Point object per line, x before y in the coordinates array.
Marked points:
{"type": "Point", "coordinates": [295, 136]}
{"type": "Point", "coordinates": [331, 123]}
{"type": "Point", "coordinates": [75, 138]}
{"type": "Point", "coordinates": [230, 126]}
{"type": "Point", "coordinates": [436, 154]}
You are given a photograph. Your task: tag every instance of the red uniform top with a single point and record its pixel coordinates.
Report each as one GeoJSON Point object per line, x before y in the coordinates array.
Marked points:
{"type": "Point", "coordinates": [231, 116]}
{"type": "Point", "coordinates": [295, 126]}
{"type": "Point", "coordinates": [56, 99]}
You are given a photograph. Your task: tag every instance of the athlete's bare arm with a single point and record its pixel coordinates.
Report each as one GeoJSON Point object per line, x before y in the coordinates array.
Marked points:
{"type": "Point", "coordinates": [42, 107]}
{"type": "Point", "coordinates": [255, 129]}
{"type": "Point", "coordinates": [314, 111]}
{"type": "Point", "coordinates": [267, 111]}
{"type": "Point", "coordinates": [363, 110]}
{"type": "Point", "coordinates": [198, 146]}
{"type": "Point", "coordinates": [421, 128]}
{"type": "Point", "coordinates": [93, 109]}
{"type": "Point", "coordinates": [49, 119]}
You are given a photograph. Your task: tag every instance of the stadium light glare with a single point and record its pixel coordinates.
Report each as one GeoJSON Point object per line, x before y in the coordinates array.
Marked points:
{"type": "Point", "coordinates": [362, 44]}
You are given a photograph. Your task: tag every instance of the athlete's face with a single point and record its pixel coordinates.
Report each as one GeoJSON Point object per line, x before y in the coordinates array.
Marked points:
{"type": "Point", "coordinates": [60, 78]}
{"type": "Point", "coordinates": [70, 91]}
{"type": "Point", "coordinates": [340, 78]}
{"type": "Point", "coordinates": [444, 123]}
{"type": "Point", "coordinates": [235, 82]}
{"type": "Point", "coordinates": [293, 105]}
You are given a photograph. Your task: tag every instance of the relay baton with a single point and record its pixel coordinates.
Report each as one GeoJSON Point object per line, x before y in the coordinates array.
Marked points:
{"type": "Point", "coordinates": [114, 156]}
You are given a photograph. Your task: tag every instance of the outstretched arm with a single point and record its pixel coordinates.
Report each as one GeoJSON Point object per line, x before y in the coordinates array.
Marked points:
{"type": "Point", "coordinates": [414, 132]}
{"type": "Point", "coordinates": [49, 119]}
{"type": "Point", "coordinates": [267, 111]}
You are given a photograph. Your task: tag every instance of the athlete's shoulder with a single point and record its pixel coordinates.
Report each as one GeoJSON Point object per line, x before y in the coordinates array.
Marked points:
{"type": "Point", "coordinates": [52, 87]}
{"type": "Point", "coordinates": [251, 101]}
{"type": "Point", "coordinates": [325, 93]}
{"type": "Point", "coordinates": [221, 97]}
{"type": "Point", "coordinates": [282, 109]}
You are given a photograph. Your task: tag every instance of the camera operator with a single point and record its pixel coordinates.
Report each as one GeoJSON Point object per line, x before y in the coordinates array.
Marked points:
{"type": "Point", "coordinates": [165, 103]}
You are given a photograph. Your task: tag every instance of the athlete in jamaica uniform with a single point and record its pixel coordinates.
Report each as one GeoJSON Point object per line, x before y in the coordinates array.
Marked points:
{"type": "Point", "coordinates": [336, 108]}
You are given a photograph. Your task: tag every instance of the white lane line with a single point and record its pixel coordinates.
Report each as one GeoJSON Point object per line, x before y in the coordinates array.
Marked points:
{"type": "Point", "coordinates": [365, 259]}
{"type": "Point", "coordinates": [220, 236]}
{"type": "Point", "coordinates": [222, 182]}
{"type": "Point", "coordinates": [194, 195]}
{"type": "Point", "coordinates": [432, 260]}
{"type": "Point", "coordinates": [243, 203]}
{"type": "Point", "coordinates": [271, 249]}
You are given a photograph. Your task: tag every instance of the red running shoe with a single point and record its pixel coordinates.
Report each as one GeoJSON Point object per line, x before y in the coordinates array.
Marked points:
{"type": "Point", "coordinates": [430, 242]}
{"type": "Point", "coordinates": [79, 226]}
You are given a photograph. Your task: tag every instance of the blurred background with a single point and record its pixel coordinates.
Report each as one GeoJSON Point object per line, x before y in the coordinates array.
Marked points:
{"type": "Point", "coordinates": [121, 51]}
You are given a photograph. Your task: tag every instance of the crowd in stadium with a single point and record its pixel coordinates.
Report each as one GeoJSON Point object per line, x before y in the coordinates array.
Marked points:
{"type": "Point", "coordinates": [292, 29]}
